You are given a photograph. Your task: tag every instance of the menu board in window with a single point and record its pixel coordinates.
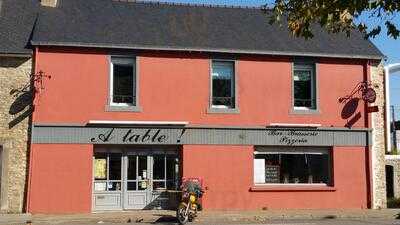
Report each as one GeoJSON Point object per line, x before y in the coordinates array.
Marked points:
{"type": "Point", "coordinates": [272, 174]}
{"type": "Point", "coordinates": [100, 169]}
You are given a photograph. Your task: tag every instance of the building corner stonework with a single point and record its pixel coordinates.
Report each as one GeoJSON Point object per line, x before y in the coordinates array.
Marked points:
{"type": "Point", "coordinates": [379, 200]}
{"type": "Point", "coordinates": [15, 110]}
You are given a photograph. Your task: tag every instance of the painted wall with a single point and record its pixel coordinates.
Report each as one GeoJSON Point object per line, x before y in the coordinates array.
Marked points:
{"type": "Point", "coordinates": [176, 87]}
{"type": "Point", "coordinates": [228, 175]}
{"type": "Point", "coordinates": [60, 178]}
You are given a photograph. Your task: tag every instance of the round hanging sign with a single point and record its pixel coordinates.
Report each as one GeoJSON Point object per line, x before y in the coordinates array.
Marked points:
{"type": "Point", "coordinates": [369, 95]}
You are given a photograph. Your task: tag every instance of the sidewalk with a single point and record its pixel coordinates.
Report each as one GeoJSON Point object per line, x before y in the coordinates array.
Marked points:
{"type": "Point", "coordinates": [152, 216]}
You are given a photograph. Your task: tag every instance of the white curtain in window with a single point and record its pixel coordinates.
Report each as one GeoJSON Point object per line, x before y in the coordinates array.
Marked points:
{"type": "Point", "coordinates": [222, 70]}
{"type": "Point", "coordinates": [259, 170]}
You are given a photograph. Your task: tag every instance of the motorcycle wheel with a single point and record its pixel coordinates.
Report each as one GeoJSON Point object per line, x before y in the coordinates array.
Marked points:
{"type": "Point", "coordinates": [192, 215]}
{"type": "Point", "coordinates": [180, 214]}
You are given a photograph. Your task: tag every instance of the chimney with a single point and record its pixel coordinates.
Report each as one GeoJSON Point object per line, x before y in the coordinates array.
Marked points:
{"type": "Point", "coordinates": [49, 3]}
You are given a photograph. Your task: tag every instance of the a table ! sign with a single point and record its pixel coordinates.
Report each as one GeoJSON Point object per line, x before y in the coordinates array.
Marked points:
{"type": "Point", "coordinates": [130, 136]}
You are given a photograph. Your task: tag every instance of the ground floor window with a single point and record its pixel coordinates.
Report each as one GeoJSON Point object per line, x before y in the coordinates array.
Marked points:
{"type": "Point", "coordinates": [294, 165]}
{"type": "Point", "coordinates": [107, 172]}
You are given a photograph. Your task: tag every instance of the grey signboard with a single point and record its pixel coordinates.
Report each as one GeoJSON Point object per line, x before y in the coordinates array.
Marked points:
{"type": "Point", "coordinates": [200, 136]}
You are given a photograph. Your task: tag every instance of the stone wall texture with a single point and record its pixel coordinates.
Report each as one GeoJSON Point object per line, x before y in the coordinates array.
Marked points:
{"type": "Point", "coordinates": [394, 161]}
{"type": "Point", "coordinates": [378, 138]}
{"type": "Point", "coordinates": [14, 118]}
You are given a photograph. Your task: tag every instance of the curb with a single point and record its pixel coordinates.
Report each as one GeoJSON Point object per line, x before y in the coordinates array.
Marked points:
{"type": "Point", "coordinates": [267, 216]}
{"type": "Point", "coordinates": [204, 217]}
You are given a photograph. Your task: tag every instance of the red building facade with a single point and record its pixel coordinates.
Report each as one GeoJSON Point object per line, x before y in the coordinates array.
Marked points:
{"type": "Point", "coordinates": [116, 128]}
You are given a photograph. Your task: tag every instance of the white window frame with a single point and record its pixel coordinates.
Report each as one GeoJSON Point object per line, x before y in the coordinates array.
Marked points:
{"type": "Point", "coordinates": [122, 61]}
{"type": "Point", "coordinates": [306, 67]}
{"type": "Point", "coordinates": [294, 151]}
{"type": "Point", "coordinates": [233, 84]}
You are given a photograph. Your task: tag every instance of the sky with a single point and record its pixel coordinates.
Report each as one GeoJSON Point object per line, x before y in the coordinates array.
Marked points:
{"type": "Point", "coordinates": [387, 45]}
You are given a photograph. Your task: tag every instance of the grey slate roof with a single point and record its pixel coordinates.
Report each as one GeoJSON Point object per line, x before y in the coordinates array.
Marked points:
{"type": "Point", "coordinates": [17, 18]}
{"type": "Point", "coordinates": [137, 25]}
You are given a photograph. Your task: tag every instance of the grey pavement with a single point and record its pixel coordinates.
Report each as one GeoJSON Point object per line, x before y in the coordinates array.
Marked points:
{"type": "Point", "coordinates": [271, 222]}
{"type": "Point", "coordinates": [268, 217]}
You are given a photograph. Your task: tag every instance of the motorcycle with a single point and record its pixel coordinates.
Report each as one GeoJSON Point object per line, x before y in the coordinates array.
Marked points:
{"type": "Point", "coordinates": [191, 193]}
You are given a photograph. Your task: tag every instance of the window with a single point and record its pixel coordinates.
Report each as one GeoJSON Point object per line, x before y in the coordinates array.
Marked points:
{"type": "Point", "coordinates": [164, 172]}
{"type": "Point", "coordinates": [223, 84]}
{"type": "Point", "coordinates": [304, 86]}
{"type": "Point", "coordinates": [107, 172]}
{"type": "Point", "coordinates": [123, 82]}
{"type": "Point", "coordinates": [292, 166]}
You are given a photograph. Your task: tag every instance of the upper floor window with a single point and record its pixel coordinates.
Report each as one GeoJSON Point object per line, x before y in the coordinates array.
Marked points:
{"type": "Point", "coordinates": [304, 86]}
{"type": "Point", "coordinates": [223, 84]}
{"type": "Point", "coordinates": [123, 82]}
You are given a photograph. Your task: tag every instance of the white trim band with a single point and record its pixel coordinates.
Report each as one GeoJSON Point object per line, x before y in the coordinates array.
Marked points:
{"type": "Point", "coordinates": [294, 125]}
{"type": "Point", "coordinates": [137, 122]}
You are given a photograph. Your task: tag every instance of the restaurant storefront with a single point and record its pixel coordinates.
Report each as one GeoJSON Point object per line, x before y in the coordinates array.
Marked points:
{"type": "Point", "coordinates": [141, 167]}
{"type": "Point", "coordinates": [266, 121]}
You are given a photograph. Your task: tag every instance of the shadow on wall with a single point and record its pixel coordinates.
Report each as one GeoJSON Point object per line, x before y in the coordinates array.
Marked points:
{"type": "Point", "coordinates": [22, 105]}
{"type": "Point", "coordinates": [351, 102]}
{"type": "Point", "coordinates": [349, 112]}
{"type": "Point", "coordinates": [362, 91]}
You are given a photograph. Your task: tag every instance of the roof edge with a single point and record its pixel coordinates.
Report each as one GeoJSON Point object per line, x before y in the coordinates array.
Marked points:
{"type": "Point", "coordinates": [210, 5]}
{"type": "Point", "coordinates": [16, 55]}
{"type": "Point", "coordinates": [211, 50]}
{"type": "Point", "coordinates": [376, 47]}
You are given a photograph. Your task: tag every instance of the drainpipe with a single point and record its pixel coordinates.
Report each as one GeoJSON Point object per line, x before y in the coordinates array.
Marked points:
{"type": "Point", "coordinates": [391, 68]}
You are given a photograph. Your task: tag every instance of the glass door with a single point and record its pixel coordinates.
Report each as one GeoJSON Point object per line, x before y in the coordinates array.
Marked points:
{"type": "Point", "coordinates": [137, 182]}
{"type": "Point", "coordinates": [150, 181]}
{"type": "Point", "coordinates": [135, 179]}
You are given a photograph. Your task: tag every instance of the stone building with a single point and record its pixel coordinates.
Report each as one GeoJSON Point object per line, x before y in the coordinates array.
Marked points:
{"type": "Point", "coordinates": [16, 23]}
{"type": "Point", "coordinates": [393, 158]}
{"type": "Point", "coordinates": [393, 176]}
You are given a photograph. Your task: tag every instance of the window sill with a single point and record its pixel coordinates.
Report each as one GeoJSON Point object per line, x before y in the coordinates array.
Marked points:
{"type": "Point", "coordinates": [223, 111]}
{"type": "Point", "coordinates": [293, 187]}
{"type": "Point", "coordinates": [113, 108]}
{"type": "Point", "coordinates": [304, 111]}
